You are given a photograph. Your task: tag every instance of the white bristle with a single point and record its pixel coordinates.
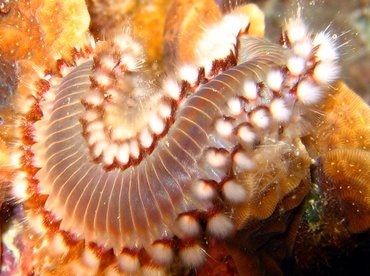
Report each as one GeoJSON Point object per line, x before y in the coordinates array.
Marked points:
{"type": "Point", "coordinates": [107, 62]}
{"type": "Point", "coordinates": [303, 48]}
{"type": "Point", "coordinates": [275, 79]}
{"type": "Point", "coordinates": [20, 187]}
{"type": "Point", "coordinates": [161, 253]}
{"type": "Point", "coordinates": [234, 192]}
{"type": "Point", "coordinates": [95, 137]}
{"type": "Point", "coordinates": [235, 23]}
{"type": "Point", "coordinates": [128, 263]}
{"type": "Point", "coordinates": [134, 149]}
{"type": "Point", "coordinates": [156, 124]}
{"type": "Point", "coordinates": [94, 98]}
{"type": "Point", "coordinates": [58, 246]}
{"type": "Point", "coordinates": [224, 127]}
{"type": "Point", "coordinates": [235, 106]}
{"type": "Point", "coordinates": [279, 110]}
{"type": "Point", "coordinates": [118, 132]}
{"type": "Point", "coordinates": [111, 270]}
{"type": "Point", "coordinates": [308, 93]}
{"type": "Point", "coordinates": [172, 88]}
{"type": "Point", "coordinates": [296, 65]}
{"type": "Point", "coordinates": [189, 73]}
{"type": "Point", "coordinates": [131, 62]}
{"type": "Point", "coordinates": [146, 139]}
{"type": "Point", "coordinates": [192, 256]}
{"type": "Point", "coordinates": [216, 159]}
{"type": "Point", "coordinates": [99, 148]}
{"type": "Point", "coordinates": [90, 259]}
{"type": "Point", "coordinates": [36, 221]}
{"type": "Point", "coordinates": [165, 110]}
{"type": "Point", "coordinates": [219, 40]}
{"type": "Point", "coordinates": [296, 30]}
{"type": "Point", "coordinates": [95, 126]}
{"type": "Point", "coordinates": [250, 90]}
{"type": "Point", "coordinates": [326, 72]}
{"type": "Point", "coordinates": [91, 115]}
{"type": "Point", "coordinates": [123, 154]}
{"type": "Point", "coordinates": [326, 47]}
{"type": "Point", "coordinates": [150, 270]}
{"type": "Point", "coordinates": [242, 161]}
{"type": "Point", "coordinates": [247, 135]}
{"type": "Point", "coordinates": [102, 79]}
{"type": "Point", "coordinates": [220, 226]}
{"type": "Point", "coordinates": [188, 226]}
{"type": "Point", "coordinates": [203, 190]}
{"type": "Point", "coordinates": [109, 154]}
{"type": "Point", "coordinates": [260, 118]}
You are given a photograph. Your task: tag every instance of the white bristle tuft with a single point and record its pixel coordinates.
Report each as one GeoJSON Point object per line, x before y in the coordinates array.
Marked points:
{"type": "Point", "coordinates": [296, 65]}
{"type": "Point", "coordinates": [161, 253]}
{"type": "Point", "coordinates": [102, 79]}
{"type": "Point", "coordinates": [58, 246]}
{"type": "Point", "coordinates": [95, 137]}
{"type": "Point", "coordinates": [250, 90]}
{"type": "Point", "coordinates": [90, 115]}
{"type": "Point", "coordinates": [303, 48]}
{"type": "Point", "coordinates": [243, 161]}
{"type": "Point", "coordinates": [165, 110]}
{"type": "Point", "coordinates": [224, 127]}
{"type": "Point", "coordinates": [99, 148]}
{"type": "Point", "coordinates": [203, 190]}
{"type": "Point", "coordinates": [188, 226]}
{"type": "Point", "coordinates": [90, 259]}
{"type": "Point", "coordinates": [156, 124]}
{"type": "Point", "coordinates": [36, 221]}
{"type": "Point", "coordinates": [189, 73]}
{"type": "Point", "coordinates": [95, 126]}
{"type": "Point", "coordinates": [220, 226]}
{"type": "Point", "coordinates": [235, 23]}
{"type": "Point", "coordinates": [20, 187]}
{"type": "Point", "coordinates": [150, 270]}
{"type": "Point", "coordinates": [134, 149]}
{"type": "Point", "coordinates": [107, 62]}
{"type": "Point", "coordinates": [308, 93]}
{"type": "Point", "coordinates": [172, 88]}
{"type": "Point", "coordinates": [235, 106]}
{"type": "Point", "coordinates": [123, 154]}
{"type": "Point", "coordinates": [260, 118]}
{"type": "Point", "coordinates": [131, 62]}
{"type": "Point", "coordinates": [146, 139]}
{"type": "Point", "coordinates": [326, 47]}
{"type": "Point", "coordinates": [219, 40]}
{"type": "Point", "coordinates": [279, 110]}
{"type": "Point", "coordinates": [118, 133]}
{"type": "Point", "coordinates": [275, 79]}
{"type": "Point", "coordinates": [109, 154]}
{"type": "Point", "coordinates": [193, 255]}
{"type": "Point", "coordinates": [128, 263]}
{"type": "Point", "coordinates": [216, 159]}
{"type": "Point", "coordinates": [94, 98]}
{"type": "Point", "coordinates": [296, 30]}
{"type": "Point", "coordinates": [326, 72]}
{"type": "Point", "coordinates": [234, 192]}
{"type": "Point", "coordinates": [247, 135]}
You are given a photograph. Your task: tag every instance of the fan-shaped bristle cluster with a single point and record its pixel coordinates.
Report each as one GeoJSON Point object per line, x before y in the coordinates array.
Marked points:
{"type": "Point", "coordinates": [120, 121]}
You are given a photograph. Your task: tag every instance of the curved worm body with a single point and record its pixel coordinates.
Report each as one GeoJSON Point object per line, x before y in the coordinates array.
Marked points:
{"type": "Point", "coordinates": [131, 167]}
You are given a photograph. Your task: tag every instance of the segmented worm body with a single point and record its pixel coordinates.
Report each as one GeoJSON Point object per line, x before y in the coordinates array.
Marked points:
{"type": "Point", "coordinates": [131, 166]}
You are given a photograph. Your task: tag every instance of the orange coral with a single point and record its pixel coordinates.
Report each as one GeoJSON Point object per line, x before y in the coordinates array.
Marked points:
{"type": "Point", "coordinates": [43, 31]}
